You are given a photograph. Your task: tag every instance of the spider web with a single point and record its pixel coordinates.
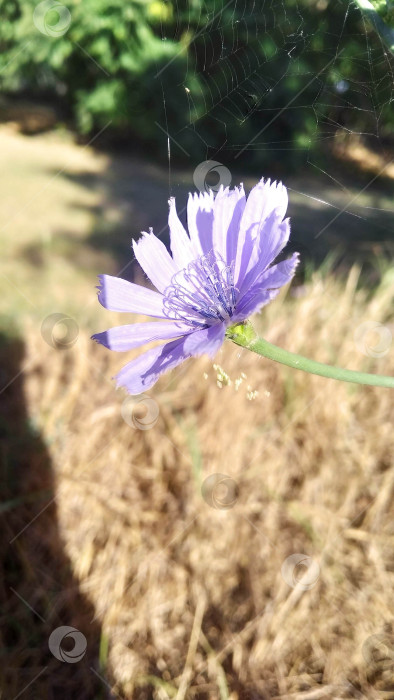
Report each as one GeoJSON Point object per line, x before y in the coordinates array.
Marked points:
{"type": "Point", "coordinates": [279, 81]}
{"type": "Point", "coordinates": [243, 54]}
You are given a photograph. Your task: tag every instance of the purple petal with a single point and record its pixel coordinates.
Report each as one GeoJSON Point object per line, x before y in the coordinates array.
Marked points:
{"type": "Point", "coordinates": [273, 238]}
{"type": "Point", "coordinates": [182, 249]}
{"type": "Point", "coordinates": [267, 287]}
{"type": "Point", "coordinates": [233, 229]}
{"type": "Point", "coordinates": [207, 340]}
{"type": "Point", "coordinates": [263, 199]}
{"type": "Point", "coordinates": [228, 208]}
{"type": "Point", "coordinates": [117, 294]}
{"type": "Point", "coordinates": [277, 275]}
{"type": "Point", "coordinates": [200, 221]}
{"type": "Point", "coordinates": [122, 338]}
{"type": "Point", "coordinates": [265, 208]}
{"type": "Point", "coordinates": [252, 303]}
{"type": "Point", "coordinates": [143, 372]}
{"type": "Point", "coordinates": [155, 260]}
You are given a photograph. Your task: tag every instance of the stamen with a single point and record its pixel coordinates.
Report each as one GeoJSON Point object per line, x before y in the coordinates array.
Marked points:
{"type": "Point", "coordinates": [203, 292]}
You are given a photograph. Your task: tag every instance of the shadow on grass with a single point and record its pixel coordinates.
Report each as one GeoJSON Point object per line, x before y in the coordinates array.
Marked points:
{"type": "Point", "coordinates": [134, 195]}
{"type": "Point", "coordinates": [38, 592]}
{"type": "Point", "coordinates": [133, 198]}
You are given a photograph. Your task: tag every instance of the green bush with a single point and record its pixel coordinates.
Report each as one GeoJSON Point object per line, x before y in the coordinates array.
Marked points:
{"type": "Point", "coordinates": [216, 76]}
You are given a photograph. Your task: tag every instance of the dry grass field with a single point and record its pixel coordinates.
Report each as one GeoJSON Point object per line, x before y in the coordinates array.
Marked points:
{"type": "Point", "coordinates": [181, 583]}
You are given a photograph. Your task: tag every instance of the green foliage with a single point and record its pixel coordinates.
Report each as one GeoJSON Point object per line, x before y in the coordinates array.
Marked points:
{"type": "Point", "coordinates": [103, 65]}
{"type": "Point", "coordinates": [218, 74]}
{"type": "Point", "coordinates": [385, 9]}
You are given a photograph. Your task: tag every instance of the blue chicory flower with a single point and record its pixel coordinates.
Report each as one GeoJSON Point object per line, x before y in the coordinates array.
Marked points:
{"type": "Point", "coordinates": [219, 274]}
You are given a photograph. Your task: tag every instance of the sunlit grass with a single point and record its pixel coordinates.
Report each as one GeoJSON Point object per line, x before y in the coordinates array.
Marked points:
{"type": "Point", "coordinates": [312, 459]}
{"type": "Point", "coordinates": [190, 600]}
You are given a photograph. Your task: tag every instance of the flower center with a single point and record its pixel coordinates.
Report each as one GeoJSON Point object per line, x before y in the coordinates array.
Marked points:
{"type": "Point", "coordinates": [202, 293]}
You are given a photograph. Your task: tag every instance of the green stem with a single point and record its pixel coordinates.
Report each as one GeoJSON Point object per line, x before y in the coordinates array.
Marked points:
{"type": "Point", "coordinates": [244, 335]}
{"type": "Point", "coordinates": [386, 32]}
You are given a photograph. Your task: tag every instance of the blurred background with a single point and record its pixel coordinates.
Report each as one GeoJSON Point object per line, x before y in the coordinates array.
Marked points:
{"type": "Point", "coordinates": [129, 569]}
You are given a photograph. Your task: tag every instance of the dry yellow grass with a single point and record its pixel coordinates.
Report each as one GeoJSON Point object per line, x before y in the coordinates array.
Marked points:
{"type": "Point", "coordinates": [186, 600]}
{"type": "Point", "coordinates": [104, 526]}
